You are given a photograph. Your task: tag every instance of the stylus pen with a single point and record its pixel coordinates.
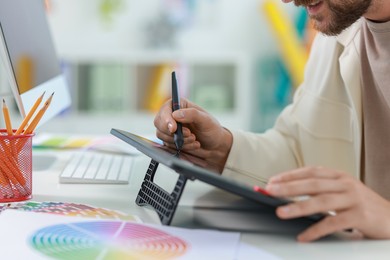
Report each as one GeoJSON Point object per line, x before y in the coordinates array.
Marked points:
{"type": "Point", "coordinates": [178, 135]}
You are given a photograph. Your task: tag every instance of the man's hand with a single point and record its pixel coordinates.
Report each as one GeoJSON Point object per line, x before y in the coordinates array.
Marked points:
{"type": "Point", "coordinates": [204, 137]}
{"type": "Point", "coordinates": [355, 205]}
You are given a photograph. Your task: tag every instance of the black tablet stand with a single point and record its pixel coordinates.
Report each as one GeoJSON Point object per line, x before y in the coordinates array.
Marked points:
{"type": "Point", "coordinates": [163, 202]}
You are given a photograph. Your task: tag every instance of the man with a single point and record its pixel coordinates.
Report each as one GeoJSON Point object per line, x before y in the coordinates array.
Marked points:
{"type": "Point", "coordinates": [332, 142]}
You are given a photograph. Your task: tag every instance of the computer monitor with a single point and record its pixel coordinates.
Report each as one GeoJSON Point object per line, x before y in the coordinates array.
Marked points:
{"type": "Point", "coordinates": [30, 58]}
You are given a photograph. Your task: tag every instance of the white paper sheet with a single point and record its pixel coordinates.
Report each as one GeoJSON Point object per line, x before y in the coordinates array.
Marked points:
{"type": "Point", "coordinates": [248, 252]}
{"type": "Point", "coordinates": [27, 235]}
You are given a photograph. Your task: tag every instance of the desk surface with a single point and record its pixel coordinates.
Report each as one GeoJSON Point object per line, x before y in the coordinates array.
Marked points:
{"type": "Point", "coordinates": [121, 197]}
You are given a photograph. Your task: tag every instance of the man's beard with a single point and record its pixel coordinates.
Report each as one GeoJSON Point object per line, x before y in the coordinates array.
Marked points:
{"type": "Point", "coordinates": [342, 14]}
{"type": "Point", "coordinates": [303, 2]}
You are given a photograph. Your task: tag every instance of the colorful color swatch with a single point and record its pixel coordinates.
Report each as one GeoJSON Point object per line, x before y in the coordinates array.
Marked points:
{"type": "Point", "coordinates": [72, 210]}
{"type": "Point", "coordinates": [107, 240]}
{"type": "Point", "coordinates": [4, 207]}
{"type": "Point", "coordinates": [62, 142]}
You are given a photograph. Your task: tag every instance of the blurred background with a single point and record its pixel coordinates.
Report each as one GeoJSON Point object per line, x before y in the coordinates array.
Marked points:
{"type": "Point", "coordinates": [240, 60]}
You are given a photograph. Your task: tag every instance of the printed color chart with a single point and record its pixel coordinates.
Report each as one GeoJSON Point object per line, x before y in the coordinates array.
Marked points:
{"type": "Point", "coordinates": [107, 240]}
{"type": "Point", "coordinates": [71, 210]}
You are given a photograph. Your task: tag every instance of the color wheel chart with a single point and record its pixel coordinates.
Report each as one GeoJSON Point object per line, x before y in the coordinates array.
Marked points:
{"type": "Point", "coordinates": [107, 240]}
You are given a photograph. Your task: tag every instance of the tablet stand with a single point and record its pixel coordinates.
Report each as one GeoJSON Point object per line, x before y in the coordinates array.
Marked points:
{"type": "Point", "coordinates": [163, 202]}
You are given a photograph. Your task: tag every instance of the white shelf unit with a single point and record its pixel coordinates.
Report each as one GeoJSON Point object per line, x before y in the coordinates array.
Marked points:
{"type": "Point", "coordinates": [203, 72]}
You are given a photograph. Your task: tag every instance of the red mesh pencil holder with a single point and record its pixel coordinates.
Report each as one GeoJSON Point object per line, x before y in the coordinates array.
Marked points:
{"type": "Point", "coordinates": [15, 167]}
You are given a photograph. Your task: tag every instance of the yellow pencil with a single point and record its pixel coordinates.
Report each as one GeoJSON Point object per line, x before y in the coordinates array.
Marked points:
{"type": "Point", "coordinates": [29, 115]}
{"type": "Point", "coordinates": [7, 119]}
{"type": "Point", "coordinates": [30, 129]}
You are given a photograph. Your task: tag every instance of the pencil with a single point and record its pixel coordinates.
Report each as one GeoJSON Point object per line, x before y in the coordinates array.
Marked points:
{"type": "Point", "coordinates": [7, 187]}
{"type": "Point", "coordinates": [8, 165]}
{"type": "Point", "coordinates": [16, 181]}
{"type": "Point", "coordinates": [7, 118]}
{"type": "Point", "coordinates": [31, 127]}
{"type": "Point", "coordinates": [29, 114]}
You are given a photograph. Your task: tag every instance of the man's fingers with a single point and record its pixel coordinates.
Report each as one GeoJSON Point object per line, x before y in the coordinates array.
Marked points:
{"type": "Point", "coordinates": [168, 138]}
{"type": "Point", "coordinates": [164, 119]}
{"type": "Point", "coordinates": [301, 187]}
{"type": "Point", "coordinates": [306, 172]}
{"type": "Point", "coordinates": [187, 115]}
{"type": "Point", "coordinates": [327, 226]}
{"type": "Point", "coordinates": [314, 205]}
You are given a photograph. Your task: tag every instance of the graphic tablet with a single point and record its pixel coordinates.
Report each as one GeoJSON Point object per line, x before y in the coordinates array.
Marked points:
{"type": "Point", "coordinates": [194, 168]}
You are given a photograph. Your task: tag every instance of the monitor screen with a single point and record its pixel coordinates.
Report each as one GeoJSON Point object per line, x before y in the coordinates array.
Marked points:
{"type": "Point", "coordinates": [30, 58]}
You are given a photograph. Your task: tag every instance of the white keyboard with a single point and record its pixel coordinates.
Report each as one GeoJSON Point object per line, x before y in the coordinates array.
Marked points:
{"type": "Point", "coordinates": [97, 168]}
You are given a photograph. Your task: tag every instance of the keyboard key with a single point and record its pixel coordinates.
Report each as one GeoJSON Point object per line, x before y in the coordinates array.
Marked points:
{"type": "Point", "coordinates": [125, 169]}
{"type": "Point", "coordinates": [93, 167]}
{"type": "Point", "coordinates": [71, 167]}
{"type": "Point", "coordinates": [115, 167]}
{"type": "Point", "coordinates": [104, 168]}
{"type": "Point", "coordinates": [82, 166]}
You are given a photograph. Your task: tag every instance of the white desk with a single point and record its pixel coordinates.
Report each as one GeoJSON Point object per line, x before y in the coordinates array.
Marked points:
{"type": "Point", "coordinates": [122, 197]}
{"type": "Point", "coordinates": [190, 212]}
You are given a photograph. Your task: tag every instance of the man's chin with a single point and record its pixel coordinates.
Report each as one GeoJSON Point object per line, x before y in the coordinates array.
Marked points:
{"type": "Point", "coordinates": [328, 28]}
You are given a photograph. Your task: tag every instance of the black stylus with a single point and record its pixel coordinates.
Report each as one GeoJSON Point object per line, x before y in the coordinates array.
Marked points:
{"type": "Point", "coordinates": [178, 135]}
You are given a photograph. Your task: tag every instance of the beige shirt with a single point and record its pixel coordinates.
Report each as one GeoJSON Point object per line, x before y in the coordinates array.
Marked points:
{"type": "Point", "coordinates": [375, 55]}
{"type": "Point", "coordinates": [322, 126]}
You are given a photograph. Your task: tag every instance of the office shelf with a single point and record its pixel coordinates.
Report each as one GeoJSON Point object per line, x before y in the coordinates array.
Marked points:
{"type": "Point", "coordinates": [137, 82]}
